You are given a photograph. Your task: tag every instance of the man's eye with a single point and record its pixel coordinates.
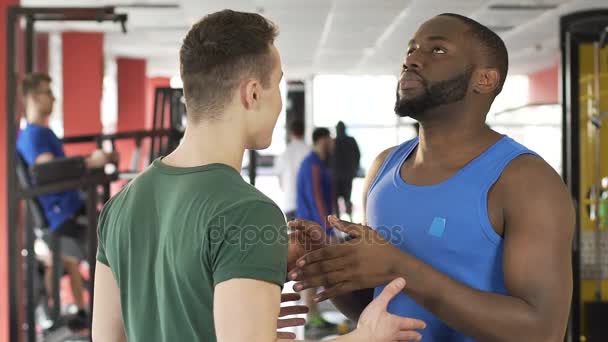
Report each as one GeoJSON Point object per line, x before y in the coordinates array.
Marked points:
{"type": "Point", "coordinates": [438, 50]}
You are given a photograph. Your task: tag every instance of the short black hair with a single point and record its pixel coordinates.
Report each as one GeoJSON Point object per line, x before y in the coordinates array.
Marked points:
{"type": "Point", "coordinates": [320, 133]}
{"type": "Point", "coordinates": [492, 46]}
{"type": "Point", "coordinates": [296, 127]}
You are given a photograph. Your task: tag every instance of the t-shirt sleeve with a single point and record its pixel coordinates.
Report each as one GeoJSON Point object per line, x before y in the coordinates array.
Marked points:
{"type": "Point", "coordinates": [33, 145]}
{"type": "Point", "coordinates": [249, 241]}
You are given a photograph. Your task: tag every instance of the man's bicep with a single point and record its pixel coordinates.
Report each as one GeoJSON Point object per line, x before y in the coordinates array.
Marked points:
{"type": "Point", "coordinates": [539, 224]}
{"type": "Point", "coordinates": [246, 310]}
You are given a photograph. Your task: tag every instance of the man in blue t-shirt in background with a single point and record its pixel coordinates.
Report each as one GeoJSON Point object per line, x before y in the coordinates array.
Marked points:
{"type": "Point", "coordinates": [314, 183]}
{"type": "Point", "coordinates": [314, 201]}
{"type": "Point", "coordinates": [36, 144]}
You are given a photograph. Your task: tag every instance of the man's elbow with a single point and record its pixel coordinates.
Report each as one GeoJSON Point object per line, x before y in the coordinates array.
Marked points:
{"type": "Point", "coordinates": [96, 335]}
{"type": "Point", "coordinates": [553, 332]}
{"type": "Point", "coordinates": [545, 331]}
{"type": "Point", "coordinates": [99, 335]}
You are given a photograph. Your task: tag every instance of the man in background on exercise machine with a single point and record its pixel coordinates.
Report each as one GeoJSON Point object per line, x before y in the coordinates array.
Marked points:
{"type": "Point", "coordinates": [38, 144]}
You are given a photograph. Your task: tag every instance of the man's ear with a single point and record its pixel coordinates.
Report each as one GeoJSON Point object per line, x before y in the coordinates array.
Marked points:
{"type": "Point", "coordinates": [486, 81]}
{"type": "Point", "coordinates": [250, 93]}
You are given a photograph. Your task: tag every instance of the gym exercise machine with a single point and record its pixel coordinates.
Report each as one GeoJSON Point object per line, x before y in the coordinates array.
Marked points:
{"type": "Point", "coordinates": [584, 53]}
{"type": "Point", "coordinates": [19, 18]}
{"type": "Point", "coordinates": [170, 115]}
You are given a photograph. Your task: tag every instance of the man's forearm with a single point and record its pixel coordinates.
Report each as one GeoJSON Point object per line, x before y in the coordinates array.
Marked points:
{"type": "Point", "coordinates": [352, 304]}
{"type": "Point", "coordinates": [484, 316]}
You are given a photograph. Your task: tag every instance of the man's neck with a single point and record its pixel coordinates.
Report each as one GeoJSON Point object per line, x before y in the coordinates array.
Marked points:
{"type": "Point", "coordinates": [320, 152]}
{"type": "Point", "coordinates": [452, 136]}
{"type": "Point", "coordinates": [36, 118]}
{"type": "Point", "coordinates": [208, 142]}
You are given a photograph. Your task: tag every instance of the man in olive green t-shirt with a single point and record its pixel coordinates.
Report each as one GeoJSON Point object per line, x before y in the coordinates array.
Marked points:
{"type": "Point", "coordinates": [189, 251]}
{"type": "Point", "coordinates": [192, 228]}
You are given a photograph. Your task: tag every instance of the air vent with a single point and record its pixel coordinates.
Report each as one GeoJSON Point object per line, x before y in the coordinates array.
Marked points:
{"type": "Point", "coordinates": [501, 28]}
{"type": "Point", "coordinates": [515, 7]}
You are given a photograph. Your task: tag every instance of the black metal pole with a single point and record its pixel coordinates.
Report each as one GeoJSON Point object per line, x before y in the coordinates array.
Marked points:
{"type": "Point", "coordinates": [571, 161]}
{"type": "Point", "coordinates": [57, 270]}
{"type": "Point", "coordinates": [29, 229]}
{"type": "Point", "coordinates": [253, 166]}
{"type": "Point", "coordinates": [575, 181]}
{"type": "Point", "coordinates": [11, 177]}
{"type": "Point", "coordinates": [29, 276]}
{"type": "Point", "coordinates": [157, 99]}
{"type": "Point", "coordinates": [30, 44]}
{"type": "Point", "coordinates": [166, 100]}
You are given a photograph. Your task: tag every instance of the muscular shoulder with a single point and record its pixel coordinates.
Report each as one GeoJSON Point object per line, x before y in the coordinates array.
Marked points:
{"type": "Point", "coordinates": [375, 167]}
{"type": "Point", "coordinates": [379, 160]}
{"type": "Point", "coordinates": [530, 187]}
{"type": "Point", "coordinates": [530, 174]}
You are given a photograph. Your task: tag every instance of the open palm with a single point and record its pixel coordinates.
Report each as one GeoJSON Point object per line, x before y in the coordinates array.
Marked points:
{"type": "Point", "coordinates": [379, 325]}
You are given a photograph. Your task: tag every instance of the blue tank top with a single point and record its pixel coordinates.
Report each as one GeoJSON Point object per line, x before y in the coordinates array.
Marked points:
{"type": "Point", "coordinates": [445, 225]}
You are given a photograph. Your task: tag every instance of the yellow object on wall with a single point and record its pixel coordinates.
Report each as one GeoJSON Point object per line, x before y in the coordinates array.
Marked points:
{"type": "Point", "coordinates": [588, 94]}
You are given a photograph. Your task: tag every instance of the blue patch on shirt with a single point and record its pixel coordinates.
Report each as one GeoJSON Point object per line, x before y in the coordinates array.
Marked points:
{"type": "Point", "coordinates": [437, 227]}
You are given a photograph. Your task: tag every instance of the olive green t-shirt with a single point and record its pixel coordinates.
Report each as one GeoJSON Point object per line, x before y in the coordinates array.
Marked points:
{"type": "Point", "coordinates": [172, 234]}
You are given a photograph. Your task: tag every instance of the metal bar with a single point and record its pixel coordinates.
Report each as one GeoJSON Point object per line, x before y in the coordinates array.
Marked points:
{"type": "Point", "coordinates": [166, 100]}
{"type": "Point", "coordinates": [157, 99]}
{"type": "Point", "coordinates": [57, 270]}
{"type": "Point", "coordinates": [11, 177]}
{"type": "Point", "coordinates": [98, 14]}
{"type": "Point", "coordinates": [29, 276]}
{"type": "Point", "coordinates": [120, 18]}
{"type": "Point", "coordinates": [174, 121]}
{"type": "Point", "coordinates": [571, 162]}
{"type": "Point", "coordinates": [65, 10]}
{"type": "Point", "coordinates": [29, 44]}
{"type": "Point", "coordinates": [253, 161]}
{"type": "Point", "coordinates": [65, 185]}
{"type": "Point", "coordinates": [117, 136]}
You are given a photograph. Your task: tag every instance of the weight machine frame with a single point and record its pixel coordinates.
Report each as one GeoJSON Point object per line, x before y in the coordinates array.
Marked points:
{"type": "Point", "coordinates": [31, 15]}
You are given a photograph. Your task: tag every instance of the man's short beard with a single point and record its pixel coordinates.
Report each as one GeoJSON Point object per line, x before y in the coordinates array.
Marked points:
{"type": "Point", "coordinates": [435, 95]}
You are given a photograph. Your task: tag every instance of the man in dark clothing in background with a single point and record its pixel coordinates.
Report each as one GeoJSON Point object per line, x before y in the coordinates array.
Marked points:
{"type": "Point", "coordinates": [345, 164]}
